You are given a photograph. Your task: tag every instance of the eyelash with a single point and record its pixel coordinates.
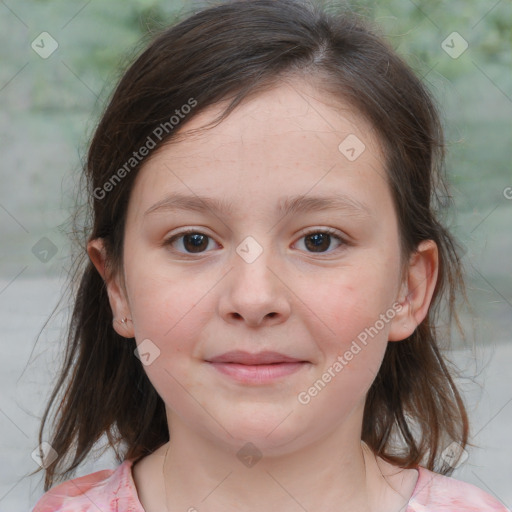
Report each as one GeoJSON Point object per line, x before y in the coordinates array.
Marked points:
{"type": "Point", "coordinates": [327, 231]}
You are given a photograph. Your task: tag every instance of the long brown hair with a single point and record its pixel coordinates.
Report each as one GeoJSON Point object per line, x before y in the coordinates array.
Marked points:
{"type": "Point", "coordinates": [413, 409]}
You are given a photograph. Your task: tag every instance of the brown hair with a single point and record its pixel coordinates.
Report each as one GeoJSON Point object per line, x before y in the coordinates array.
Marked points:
{"type": "Point", "coordinates": [413, 409]}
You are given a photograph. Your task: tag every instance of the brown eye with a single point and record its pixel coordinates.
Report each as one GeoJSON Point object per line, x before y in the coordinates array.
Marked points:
{"type": "Point", "coordinates": [320, 241]}
{"type": "Point", "coordinates": [193, 242]}
{"type": "Point", "coordinates": [196, 242]}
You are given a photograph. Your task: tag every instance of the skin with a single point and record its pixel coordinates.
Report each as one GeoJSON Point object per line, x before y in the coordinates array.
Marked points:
{"type": "Point", "coordinates": [305, 304]}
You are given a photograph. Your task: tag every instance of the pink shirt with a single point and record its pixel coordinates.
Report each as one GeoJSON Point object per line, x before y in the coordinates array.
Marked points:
{"type": "Point", "coordinates": [114, 491]}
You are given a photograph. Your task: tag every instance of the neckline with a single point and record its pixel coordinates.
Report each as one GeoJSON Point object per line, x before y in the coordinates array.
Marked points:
{"type": "Point", "coordinates": [128, 463]}
{"type": "Point", "coordinates": [419, 486]}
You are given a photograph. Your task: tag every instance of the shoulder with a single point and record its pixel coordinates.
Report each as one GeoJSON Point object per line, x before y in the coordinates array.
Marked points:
{"type": "Point", "coordinates": [440, 493]}
{"type": "Point", "coordinates": [108, 490]}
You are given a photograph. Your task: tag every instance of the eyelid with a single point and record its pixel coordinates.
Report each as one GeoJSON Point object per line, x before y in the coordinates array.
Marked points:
{"type": "Point", "coordinates": [328, 230]}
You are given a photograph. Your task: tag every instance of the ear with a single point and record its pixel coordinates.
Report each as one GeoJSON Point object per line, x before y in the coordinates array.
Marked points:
{"type": "Point", "coordinates": [116, 293]}
{"type": "Point", "coordinates": [416, 291]}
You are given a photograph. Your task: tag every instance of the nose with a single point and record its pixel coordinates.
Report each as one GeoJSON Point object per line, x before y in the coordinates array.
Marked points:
{"type": "Point", "coordinates": [254, 293]}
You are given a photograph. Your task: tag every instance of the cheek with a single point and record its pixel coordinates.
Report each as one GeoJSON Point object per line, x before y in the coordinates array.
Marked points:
{"type": "Point", "coordinates": [168, 310]}
{"type": "Point", "coordinates": [171, 314]}
{"type": "Point", "coordinates": [351, 304]}
{"type": "Point", "coordinates": [352, 356]}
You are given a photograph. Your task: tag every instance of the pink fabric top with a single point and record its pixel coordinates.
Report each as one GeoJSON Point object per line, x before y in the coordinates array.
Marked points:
{"type": "Point", "coordinates": [114, 491]}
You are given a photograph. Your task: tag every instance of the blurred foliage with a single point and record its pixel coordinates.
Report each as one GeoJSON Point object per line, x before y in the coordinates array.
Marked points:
{"type": "Point", "coordinates": [100, 38]}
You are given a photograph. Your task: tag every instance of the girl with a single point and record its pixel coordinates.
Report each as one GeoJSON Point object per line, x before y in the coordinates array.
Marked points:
{"type": "Point", "coordinates": [255, 328]}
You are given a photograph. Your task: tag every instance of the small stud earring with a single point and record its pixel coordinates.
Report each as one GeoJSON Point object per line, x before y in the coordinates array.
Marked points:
{"type": "Point", "coordinates": [124, 320]}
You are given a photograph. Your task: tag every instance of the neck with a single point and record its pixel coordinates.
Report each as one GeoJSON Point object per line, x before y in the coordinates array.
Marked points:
{"type": "Point", "coordinates": [334, 474]}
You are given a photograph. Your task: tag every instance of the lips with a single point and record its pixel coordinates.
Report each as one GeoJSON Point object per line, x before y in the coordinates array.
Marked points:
{"type": "Point", "coordinates": [260, 358]}
{"type": "Point", "coordinates": [262, 368]}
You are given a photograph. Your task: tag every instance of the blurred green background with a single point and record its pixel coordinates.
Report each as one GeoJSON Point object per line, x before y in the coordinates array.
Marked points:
{"type": "Point", "coordinates": [49, 108]}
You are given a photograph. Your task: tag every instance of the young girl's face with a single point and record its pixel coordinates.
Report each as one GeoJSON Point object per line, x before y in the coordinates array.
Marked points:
{"type": "Point", "coordinates": [260, 277]}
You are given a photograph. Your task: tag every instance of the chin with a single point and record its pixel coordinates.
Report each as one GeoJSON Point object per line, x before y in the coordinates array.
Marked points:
{"type": "Point", "coordinates": [272, 430]}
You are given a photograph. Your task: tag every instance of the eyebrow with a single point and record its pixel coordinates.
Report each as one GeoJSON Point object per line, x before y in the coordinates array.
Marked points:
{"type": "Point", "coordinates": [286, 205]}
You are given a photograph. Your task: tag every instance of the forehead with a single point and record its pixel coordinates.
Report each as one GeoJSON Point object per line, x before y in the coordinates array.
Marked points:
{"type": "Point", "coordinates": [292, 137]}
{"type": "Point", "coordinates": [288, 108]}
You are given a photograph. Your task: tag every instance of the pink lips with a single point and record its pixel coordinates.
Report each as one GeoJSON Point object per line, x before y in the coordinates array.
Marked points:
{"type": "Point", "coordinates": [259, 368]}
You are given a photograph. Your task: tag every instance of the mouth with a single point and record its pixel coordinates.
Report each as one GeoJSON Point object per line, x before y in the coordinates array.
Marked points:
{"type": "Point", "coordinates": [253, 359]}
{"type": "Point", "coordinates": [256, 368]}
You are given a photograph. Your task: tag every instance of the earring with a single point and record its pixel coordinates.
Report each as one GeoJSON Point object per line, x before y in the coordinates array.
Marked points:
{"type": "Point", "coordinates": [124, 320]}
